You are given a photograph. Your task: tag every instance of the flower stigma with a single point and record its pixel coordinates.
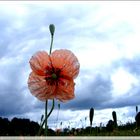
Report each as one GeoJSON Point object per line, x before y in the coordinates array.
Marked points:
{"type": "Point", "coordinates": [54, 76]}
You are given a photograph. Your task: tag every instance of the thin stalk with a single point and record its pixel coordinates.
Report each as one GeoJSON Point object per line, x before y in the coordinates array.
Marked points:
{"type": "Point", "coordinates": [46, 108]}
{"type": "Point", "coordinates": [46, 118]}
{"type": "Point", "coordinates": [51, 44]}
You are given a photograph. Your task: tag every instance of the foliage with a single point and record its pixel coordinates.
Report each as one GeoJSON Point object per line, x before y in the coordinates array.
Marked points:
{"type": "Point", "coordinates": [25, 127]}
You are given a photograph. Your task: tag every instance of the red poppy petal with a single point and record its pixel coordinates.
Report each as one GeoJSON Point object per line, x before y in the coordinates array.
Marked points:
{"type": "Point", "coordinates": [66, 61]}
{"type": "Point", "coordinates": [40, 88]}
{"type": "Point", "coordinates": [39, 62]}
{"type": "Point", "coordinates": [65, 90]}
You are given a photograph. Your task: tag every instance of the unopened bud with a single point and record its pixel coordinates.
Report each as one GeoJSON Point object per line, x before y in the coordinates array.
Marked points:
{"type": "Point", "coordinates": [52, 29]}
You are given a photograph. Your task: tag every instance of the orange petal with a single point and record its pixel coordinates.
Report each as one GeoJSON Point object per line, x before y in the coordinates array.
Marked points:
{"type": "Point", "coordinates": [39, 62]}
{"type": "Point", "coordinates": [40, 88]}
{"type": "Point", "coordinates": [66, 61]}
{"type": "Point", "coordinates": [65, 90]}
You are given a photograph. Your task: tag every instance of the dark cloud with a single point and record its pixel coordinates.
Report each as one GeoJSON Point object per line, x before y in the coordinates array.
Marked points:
{"type": "Point", "coordinates": [131, 98]}
{"type": "Point", "coordinates": [132, 65]}
{"type": "Point", "coordinates": [93, 94]}
{"type": "Point", "coordinates": [12, 90]}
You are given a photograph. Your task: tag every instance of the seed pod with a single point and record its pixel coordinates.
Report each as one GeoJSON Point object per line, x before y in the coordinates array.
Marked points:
{"type": "Point", "coordinates": [91, 114]}
{"type": "Point", "coordinates": [114, 118]}
{"type": "Point", "coordinates": [136, 109]}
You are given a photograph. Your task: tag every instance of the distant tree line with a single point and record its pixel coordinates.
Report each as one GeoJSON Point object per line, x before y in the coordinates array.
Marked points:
{"type": "Point", "coordinates": [25, 127]}
{"type": "Point", "coordinates": [21, 127]}
{"type": "Point", "coordinates": [17, 127]}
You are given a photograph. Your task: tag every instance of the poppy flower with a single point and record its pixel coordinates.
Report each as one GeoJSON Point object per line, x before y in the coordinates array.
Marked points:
{"type": "Point", "coordinates": [53, 75]}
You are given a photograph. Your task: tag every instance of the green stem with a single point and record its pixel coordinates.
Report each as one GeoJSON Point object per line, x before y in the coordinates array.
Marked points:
{"type": "Point", "coordinates": [51, 109]}
{"type": "Point", "coordinates": [52, 29]}
{"type": "Point", "coordinates": [46, 127]}
{"type": "Point", "coordinates": [46, 117]}
{"type": "Point", "coordinates": [51, 44]}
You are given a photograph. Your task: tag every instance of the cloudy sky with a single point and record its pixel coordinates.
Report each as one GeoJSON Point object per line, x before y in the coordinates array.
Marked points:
{"type": "Point", "coordinates": [105, 37]}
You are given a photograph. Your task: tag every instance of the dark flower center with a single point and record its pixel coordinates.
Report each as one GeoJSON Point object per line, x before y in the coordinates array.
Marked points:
{"type": "Point", "coordinates": [52, 75]}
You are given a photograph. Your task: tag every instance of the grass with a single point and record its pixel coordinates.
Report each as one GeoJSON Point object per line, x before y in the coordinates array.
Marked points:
{"type": "Point", "coordinates": [114, 133]}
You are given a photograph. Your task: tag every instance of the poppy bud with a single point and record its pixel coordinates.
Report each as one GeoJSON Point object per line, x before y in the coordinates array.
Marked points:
{"type": "Point", "coordinates": [52, 29]}
{"type": "Point", "coordinates": [91, 114]}
{"type": "Point", "coordinates": [114, 118]}
{"type": "Point", "coordinates": [136, 109]}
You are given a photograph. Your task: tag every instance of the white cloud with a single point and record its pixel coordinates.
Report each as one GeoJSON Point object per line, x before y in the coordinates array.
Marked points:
{"type": "Point", "coordinates": [99, 54]}
{"type": "Point", "coordinates": [130, 45]}
{"type": "Point", "coordinates": [123, 82]}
